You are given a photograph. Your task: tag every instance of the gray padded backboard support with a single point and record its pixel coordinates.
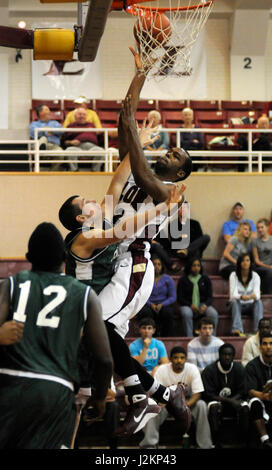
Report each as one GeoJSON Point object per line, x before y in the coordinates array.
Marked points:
{"type": "Point", "coordinates": [93, 29]}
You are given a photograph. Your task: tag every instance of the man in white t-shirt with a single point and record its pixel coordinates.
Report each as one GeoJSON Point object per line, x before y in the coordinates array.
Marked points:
{"type": "Point", "coordinates": [178, 370]}
{"type": "Point", "coordinates": [203, 350]}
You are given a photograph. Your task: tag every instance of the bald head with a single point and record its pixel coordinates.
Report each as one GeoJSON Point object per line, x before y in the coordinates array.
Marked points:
{"type": "Point", "coordinates": [263, 122]}
{"type": "Point", "coordinates": [80, 115]}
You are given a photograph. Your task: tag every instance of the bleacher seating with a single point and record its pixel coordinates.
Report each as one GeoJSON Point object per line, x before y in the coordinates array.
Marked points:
{"type": "Point", "coordinates": [236, 105]}
{"type": "Point", "coordinates": [164, 105]}
{"type": "Point", "coordinates": [208, 118]}
{"type": "Point", "coordinates": [258, 105]}
{"type": "Point", "coordinates": [204, 105]}
{"type": "Point", "coordinates": [108, 118]}
{"type": "Point", "coordinates": [52, 104]}
{"type": "Point", "coordinates": [147, 105]}
{"type": "Point", "coordinates": [107, 105]}
{"type": "Point", "coordinates": [171, 118]}
{"type": "Point", "coordinates": [11, 266]}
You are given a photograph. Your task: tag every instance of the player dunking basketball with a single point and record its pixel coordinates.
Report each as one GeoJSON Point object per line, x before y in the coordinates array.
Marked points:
{"type": "Point", "coordinates": [133, 281]}
{"type": "Point", "coordinates": [131, 286]}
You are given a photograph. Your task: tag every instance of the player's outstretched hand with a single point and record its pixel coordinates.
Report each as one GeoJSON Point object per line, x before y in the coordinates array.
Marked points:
{"type": "Point", "coordinates": [11, 332]}
{"type": "Point", "coordinates": [145, 133]}
{"type": "Point", "coordinates": [176, 195]}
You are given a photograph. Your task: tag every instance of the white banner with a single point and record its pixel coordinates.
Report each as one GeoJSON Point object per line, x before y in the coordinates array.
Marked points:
{"type": "Point", "coordinates": [4, 90]}
{"type": "Point", "coordinates": [65, 79]}
{"type": "Point", "coordinates": [185, 87]}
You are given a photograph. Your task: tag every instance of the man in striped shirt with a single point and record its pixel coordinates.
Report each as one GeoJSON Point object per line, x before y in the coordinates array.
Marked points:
{"type": "Point", "coordinates": [203, 350]}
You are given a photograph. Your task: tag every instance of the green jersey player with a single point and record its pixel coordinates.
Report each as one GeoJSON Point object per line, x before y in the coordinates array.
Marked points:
{"type": "Point", "coordinates": [39, 373]}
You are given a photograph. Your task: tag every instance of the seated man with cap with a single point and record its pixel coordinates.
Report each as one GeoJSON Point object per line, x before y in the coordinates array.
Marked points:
{"type": "Point", "coordinates": [92, 116]}
{"type": "Point", "coordinates": [236, 217]}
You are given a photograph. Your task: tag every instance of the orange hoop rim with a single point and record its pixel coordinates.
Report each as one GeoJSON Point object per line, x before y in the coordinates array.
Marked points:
{"type": "Point", "coordinates": [134, 7]}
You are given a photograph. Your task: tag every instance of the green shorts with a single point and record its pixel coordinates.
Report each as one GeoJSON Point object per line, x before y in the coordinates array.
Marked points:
{"type": "Point", "coordinates": [35, 414]}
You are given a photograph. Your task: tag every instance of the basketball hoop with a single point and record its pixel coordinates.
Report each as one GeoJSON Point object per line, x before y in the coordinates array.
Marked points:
{"type": "Point", "coordinates": [168, 53]}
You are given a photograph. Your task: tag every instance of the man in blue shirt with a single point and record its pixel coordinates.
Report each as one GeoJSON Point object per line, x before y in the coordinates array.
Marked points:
{"type": "Point", "coordinates": [48, 140]}
{"type": "Point", "coordinates": [237, 216]}
{"type": "Point", "coordinates": [148, 351]}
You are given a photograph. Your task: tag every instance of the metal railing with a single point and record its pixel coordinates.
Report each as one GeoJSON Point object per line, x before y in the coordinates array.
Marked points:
{"type": "Point", "coordinates": [252, 160]}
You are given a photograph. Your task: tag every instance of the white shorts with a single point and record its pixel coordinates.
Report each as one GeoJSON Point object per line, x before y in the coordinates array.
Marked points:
{"type": "Point", "coordinates": [128, 291]}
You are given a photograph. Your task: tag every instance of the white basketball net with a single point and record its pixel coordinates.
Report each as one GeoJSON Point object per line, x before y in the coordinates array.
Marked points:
{"type": "Point", "coordinates": [173, 58]}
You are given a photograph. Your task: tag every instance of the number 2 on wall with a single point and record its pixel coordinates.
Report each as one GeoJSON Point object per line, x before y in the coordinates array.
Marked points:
{"type": "Point", "coordinates": [42, 318]}
{"type": "Point", "coordinates": [247, 63]}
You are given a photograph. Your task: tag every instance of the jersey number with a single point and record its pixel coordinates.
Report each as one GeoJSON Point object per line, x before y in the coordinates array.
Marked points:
{"type": "Point", "coordinates": [134, 196]}
{"type": "Point", "coordinates": [42, 318]}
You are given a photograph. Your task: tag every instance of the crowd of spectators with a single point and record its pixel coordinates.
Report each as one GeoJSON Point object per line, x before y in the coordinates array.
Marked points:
{"type": "Point", "coordinates": [245, 264]}
{"type": "Point", "coordinates": [191, 137]}
{"type": "Point", "coordinates": [218, 386]}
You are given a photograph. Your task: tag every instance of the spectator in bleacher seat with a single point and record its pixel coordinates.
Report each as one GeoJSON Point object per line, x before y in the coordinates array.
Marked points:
{"type": "Point", "coordinates": [236, 218]}
{"type": "Point", "coordinates": [160, 304]}
{"type": "Point", "coordinates": [178, 370]}
{"type": "Point", "coordinates": [166, 243]}
{"type": "Point", "coordinates": [262, 255]}
{"type": "Point", "coordinates": [225, 393]}
{"type": "Point", "coordinates": [91, 115]}
{"type": "Point", "coordinates": [78, 141]}
{"type": "Point", "coordinates": [244, 295]}
{"type": "Point", "coordinates": [203, 350]}
{"type": "Point", "coordinates": [262, 141]}
{"type": "Point", "coordinates": [162, 142]}
{"type": "Point", "coordinates": [195, 296]}
{"type": "Point", "coordinates": [148, 351]}
{"type": "Point", "coordinates": [48, 140]}
{"type": "Point", "coordinates": [251, 347]}
{"type": "Point", "coordinates": [259, 389]}
{"type": "Point", "coordinates": [190, 140]}
{"type": "Point", "coordinates": [239, 243]}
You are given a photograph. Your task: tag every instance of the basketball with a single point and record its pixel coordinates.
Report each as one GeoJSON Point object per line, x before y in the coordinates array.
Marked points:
{"type": "Point", "coordinates": [155, 26]}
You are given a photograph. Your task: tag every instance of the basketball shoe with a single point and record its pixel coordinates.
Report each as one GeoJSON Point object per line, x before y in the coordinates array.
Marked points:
{"type": "Point", "coordinates": [139, 413]}
{"type": "Point", "coordinates": [176, 406]}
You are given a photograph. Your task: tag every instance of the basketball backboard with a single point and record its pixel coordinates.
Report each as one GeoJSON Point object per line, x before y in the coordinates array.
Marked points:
{"type": "Point", "coordinates": [91, 20]}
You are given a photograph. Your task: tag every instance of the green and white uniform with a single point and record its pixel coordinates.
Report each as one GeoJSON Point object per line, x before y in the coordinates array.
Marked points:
{"type": "Point", "coordinates": [38, 374]}
{"type": "Point", "coordinates": [98, 269]}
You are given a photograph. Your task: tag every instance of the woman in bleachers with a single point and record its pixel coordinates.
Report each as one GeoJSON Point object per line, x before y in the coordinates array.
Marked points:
{"type": "Point", "coordinates": [162, 141]}
{"type": "Point", "coordinates": [238, 244]}
{"type": "Point", "coordinates": [245, 294]}
{"type": "Point", "coordinates": [192, 140]}
{"type": "Point", "coordinates": [195, 296]}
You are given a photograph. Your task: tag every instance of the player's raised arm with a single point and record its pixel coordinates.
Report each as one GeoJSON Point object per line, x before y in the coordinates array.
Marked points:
{"type": "Point", "coordinates": [142, 173]}
{"type": "Point", "coordinates": [134, 91]}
